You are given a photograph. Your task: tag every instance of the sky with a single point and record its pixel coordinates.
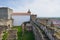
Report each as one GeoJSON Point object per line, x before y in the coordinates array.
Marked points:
{"type": "Point", "coordinates": [43, 8]}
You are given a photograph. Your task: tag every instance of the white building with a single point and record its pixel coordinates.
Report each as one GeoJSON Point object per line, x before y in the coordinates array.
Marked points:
{"type": "Point", "coordinates": [19, 17]}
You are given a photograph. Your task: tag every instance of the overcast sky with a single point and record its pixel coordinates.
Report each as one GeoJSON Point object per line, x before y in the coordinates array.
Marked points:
{"type": "Point", "coordinates": [43, 8]}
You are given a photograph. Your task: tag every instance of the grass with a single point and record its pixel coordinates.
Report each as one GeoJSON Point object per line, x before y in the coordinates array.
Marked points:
{"type": "Point", "coordinates": [28, 35]}
{"type": "Point", "coordinates": [19, 33]}
{"type": "Point", "coordinates": [5, 35]}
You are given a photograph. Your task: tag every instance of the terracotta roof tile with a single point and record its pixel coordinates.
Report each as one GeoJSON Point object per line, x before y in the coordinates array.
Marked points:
{"type": "Point", "coordinates": [21, 13]}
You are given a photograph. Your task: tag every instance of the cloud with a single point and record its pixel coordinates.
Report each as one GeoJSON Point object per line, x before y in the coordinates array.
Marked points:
{"type": "Point", "coordinates": [43, 8]}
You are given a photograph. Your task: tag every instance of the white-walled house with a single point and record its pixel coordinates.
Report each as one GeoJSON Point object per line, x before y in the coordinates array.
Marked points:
{"type": "Point", "coordinates": [19, 17]}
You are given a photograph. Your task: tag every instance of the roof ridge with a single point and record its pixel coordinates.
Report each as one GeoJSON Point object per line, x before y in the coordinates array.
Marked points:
{"type": "Point", "coordinates": [21, 14]}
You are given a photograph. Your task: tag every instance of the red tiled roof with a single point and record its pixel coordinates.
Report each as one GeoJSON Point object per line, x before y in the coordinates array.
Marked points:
{"type": "Point", "coordinates": [57, 24]}
{"type": "Point", "coordinates": [21, 13]}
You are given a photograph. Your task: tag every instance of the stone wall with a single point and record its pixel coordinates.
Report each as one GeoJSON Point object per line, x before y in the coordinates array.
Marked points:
{"type": "Point", "coordinates": [4, 22]}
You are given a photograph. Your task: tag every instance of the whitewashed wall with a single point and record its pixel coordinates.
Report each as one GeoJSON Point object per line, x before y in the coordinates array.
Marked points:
{"type": "Point", "coordinates": [19, 19]}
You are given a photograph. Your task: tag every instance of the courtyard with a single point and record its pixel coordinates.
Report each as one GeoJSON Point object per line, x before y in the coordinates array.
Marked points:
{"type": "Point", "coordinates": [28, 35]}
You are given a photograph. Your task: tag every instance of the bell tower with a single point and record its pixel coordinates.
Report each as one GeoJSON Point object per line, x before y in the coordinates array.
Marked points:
{"type": "Point", "coordinates": [29, 11]}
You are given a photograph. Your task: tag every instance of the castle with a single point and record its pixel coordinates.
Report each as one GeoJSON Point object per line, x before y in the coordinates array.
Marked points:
{"type": "Point", "coordinates": [10, 18]}
{"type": "Point", "coordinates": [20, 17]}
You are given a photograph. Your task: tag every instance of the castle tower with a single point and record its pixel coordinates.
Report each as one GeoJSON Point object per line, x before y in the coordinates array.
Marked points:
{"type": "Point", "coordinates": [33, 17]}
{"type": "Point", "coordinates": [6, 16]}
{"type": "Point", "coordinates": [5, 13]}
{"type": "Point", "coordinates": [29, 11]}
